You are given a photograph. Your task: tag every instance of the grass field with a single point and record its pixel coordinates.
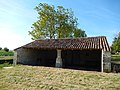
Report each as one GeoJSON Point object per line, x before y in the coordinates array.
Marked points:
{"type": "Point", "coordinates": [24, 77]}
{"type": "Point", "coordinates": [115, 58]}
{"type": "Point", "coordinates": [6, 57]}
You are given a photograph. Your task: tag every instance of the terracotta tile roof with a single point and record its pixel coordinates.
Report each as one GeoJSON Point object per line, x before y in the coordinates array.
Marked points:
{"type": "Point", "coordinates": [79, 43]}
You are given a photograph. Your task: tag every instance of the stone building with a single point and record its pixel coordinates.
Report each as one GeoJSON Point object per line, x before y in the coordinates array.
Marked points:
{"type": "Point", "coordinates": [88, 53]}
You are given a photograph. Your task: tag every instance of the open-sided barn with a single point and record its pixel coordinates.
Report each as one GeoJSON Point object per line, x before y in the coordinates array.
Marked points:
{"type": "Point", "coordinates": [88, 53]}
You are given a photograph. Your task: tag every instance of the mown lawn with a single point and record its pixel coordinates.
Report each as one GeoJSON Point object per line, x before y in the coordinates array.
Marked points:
{"type": "Point", "coordinates": [24, 77]}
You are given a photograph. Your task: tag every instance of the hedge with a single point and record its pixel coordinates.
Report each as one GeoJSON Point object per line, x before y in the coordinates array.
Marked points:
{"type": "Point", "coordinates": [4, 53]}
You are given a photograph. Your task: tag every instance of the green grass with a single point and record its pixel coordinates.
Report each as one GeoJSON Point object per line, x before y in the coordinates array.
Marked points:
{"type": "Point", "coordinates": [115, 58]}
{"type": "Point", "coordinates": [6, 57]}
{"type": "Point", "coordinates": [6, 64]}
{"type": "Point", "coordinates": [23, 77]}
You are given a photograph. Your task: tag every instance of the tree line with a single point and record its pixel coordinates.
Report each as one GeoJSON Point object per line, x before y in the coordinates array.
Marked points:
{"type": "Point", "coordinates": [6, 52]}
{"type": "Point", "coordinates": [5, 49]}
{"type": "Point", "coordinates": [116, 43]}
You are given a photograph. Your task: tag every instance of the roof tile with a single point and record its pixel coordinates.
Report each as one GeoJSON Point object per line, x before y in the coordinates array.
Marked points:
{"type": "Point", "coordinates": [78, 43]}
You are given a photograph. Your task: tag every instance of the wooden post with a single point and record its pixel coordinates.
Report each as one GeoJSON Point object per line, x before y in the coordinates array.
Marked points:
{"type": "Point", "coordinates": [58, 59]}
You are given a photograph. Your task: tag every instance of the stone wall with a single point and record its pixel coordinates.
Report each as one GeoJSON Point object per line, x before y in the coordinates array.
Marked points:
{"type": "Point", "coordinates": [106, 61]}
{"type": "Point", "coordinates": [35, 56]}
{"type": "Point", "coordinates": [115, 67]}
{"type": "Point", "coordinates": [27, 56]}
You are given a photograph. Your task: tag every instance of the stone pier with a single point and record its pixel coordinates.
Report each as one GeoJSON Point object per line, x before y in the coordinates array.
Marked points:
{"type": "Point", "coordinates": [15, 58]}
{"type": "Point", "coordinates": [58, 59]}
{"type": "Point", "coordinates": [106, 61]}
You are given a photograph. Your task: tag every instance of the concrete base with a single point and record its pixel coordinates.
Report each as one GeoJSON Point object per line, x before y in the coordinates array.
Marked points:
{"type": "Point", "coordinates": [58, 62]}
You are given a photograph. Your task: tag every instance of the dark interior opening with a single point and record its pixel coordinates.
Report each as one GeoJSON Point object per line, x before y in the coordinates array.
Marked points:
{"type": "Point", "coordinates": [47, 58]}
{"type": "Point", "coordinates": [71, 59]}
{"type": "Point", "coordinates": [82, 59]}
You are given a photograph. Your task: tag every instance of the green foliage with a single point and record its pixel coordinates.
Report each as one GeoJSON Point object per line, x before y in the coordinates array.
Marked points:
{"type": "Point", "coordinates": [116, 43]}
{"type": "Point", "coordinates": [6, 58]}
{"type": "Point", "coordinates": [4, 53]}
{"type": "Point", "coordinates": [115, 58]}
{"type": "Point", "coordinates": [80, 33]}
{"type": "Point", "coordinates": [55, 23]}
{"type": "Point", "coordinates": [6, 49]}
{"type": "Point", "coordinates": [0, 48]}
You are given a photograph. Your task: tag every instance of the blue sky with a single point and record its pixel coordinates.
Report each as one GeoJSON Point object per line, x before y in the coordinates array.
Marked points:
{"type": "Point", "coordinates": [96, 17]}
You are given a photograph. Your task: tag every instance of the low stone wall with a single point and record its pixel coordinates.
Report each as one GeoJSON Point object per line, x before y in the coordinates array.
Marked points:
{"type": "Point", "coordinates": [115, 67]}
{"type": "Point", "coordinates": [106, 61]}
{"type": "Point", "coordinates": [10, 61]}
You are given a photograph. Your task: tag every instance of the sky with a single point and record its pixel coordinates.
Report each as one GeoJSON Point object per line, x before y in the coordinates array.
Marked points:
{"type": "Point", "coordinates": [96, 17]}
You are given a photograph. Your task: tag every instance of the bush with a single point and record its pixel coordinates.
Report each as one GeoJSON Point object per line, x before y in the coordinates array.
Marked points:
{"type": "Point", "coordinates": [4, 53]}
{"type": "Point", "coordinates": [6, 49]}
{"type": "Point", "coordinates": [0, 48]}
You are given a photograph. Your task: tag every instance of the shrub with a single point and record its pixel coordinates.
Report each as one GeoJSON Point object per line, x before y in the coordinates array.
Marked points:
{"type": "Point", "coordinates": [4, 53]}
{"type": "Point", "coordinates": [6, 49]}
{"type": "Point", "coordinates": [0, 48]}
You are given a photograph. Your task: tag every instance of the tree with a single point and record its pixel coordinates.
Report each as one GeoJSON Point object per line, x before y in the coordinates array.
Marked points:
{"type": "Point", "coordinates": [116, 43]}
{"type": "Point", "coordinates": [0, 48]}
{"type": "Point", "coordinates": [6, 49]}
{"type": "Point", "coordinates": [79, 33]}
{"type": "Point", "coordinates": [55, 23]}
